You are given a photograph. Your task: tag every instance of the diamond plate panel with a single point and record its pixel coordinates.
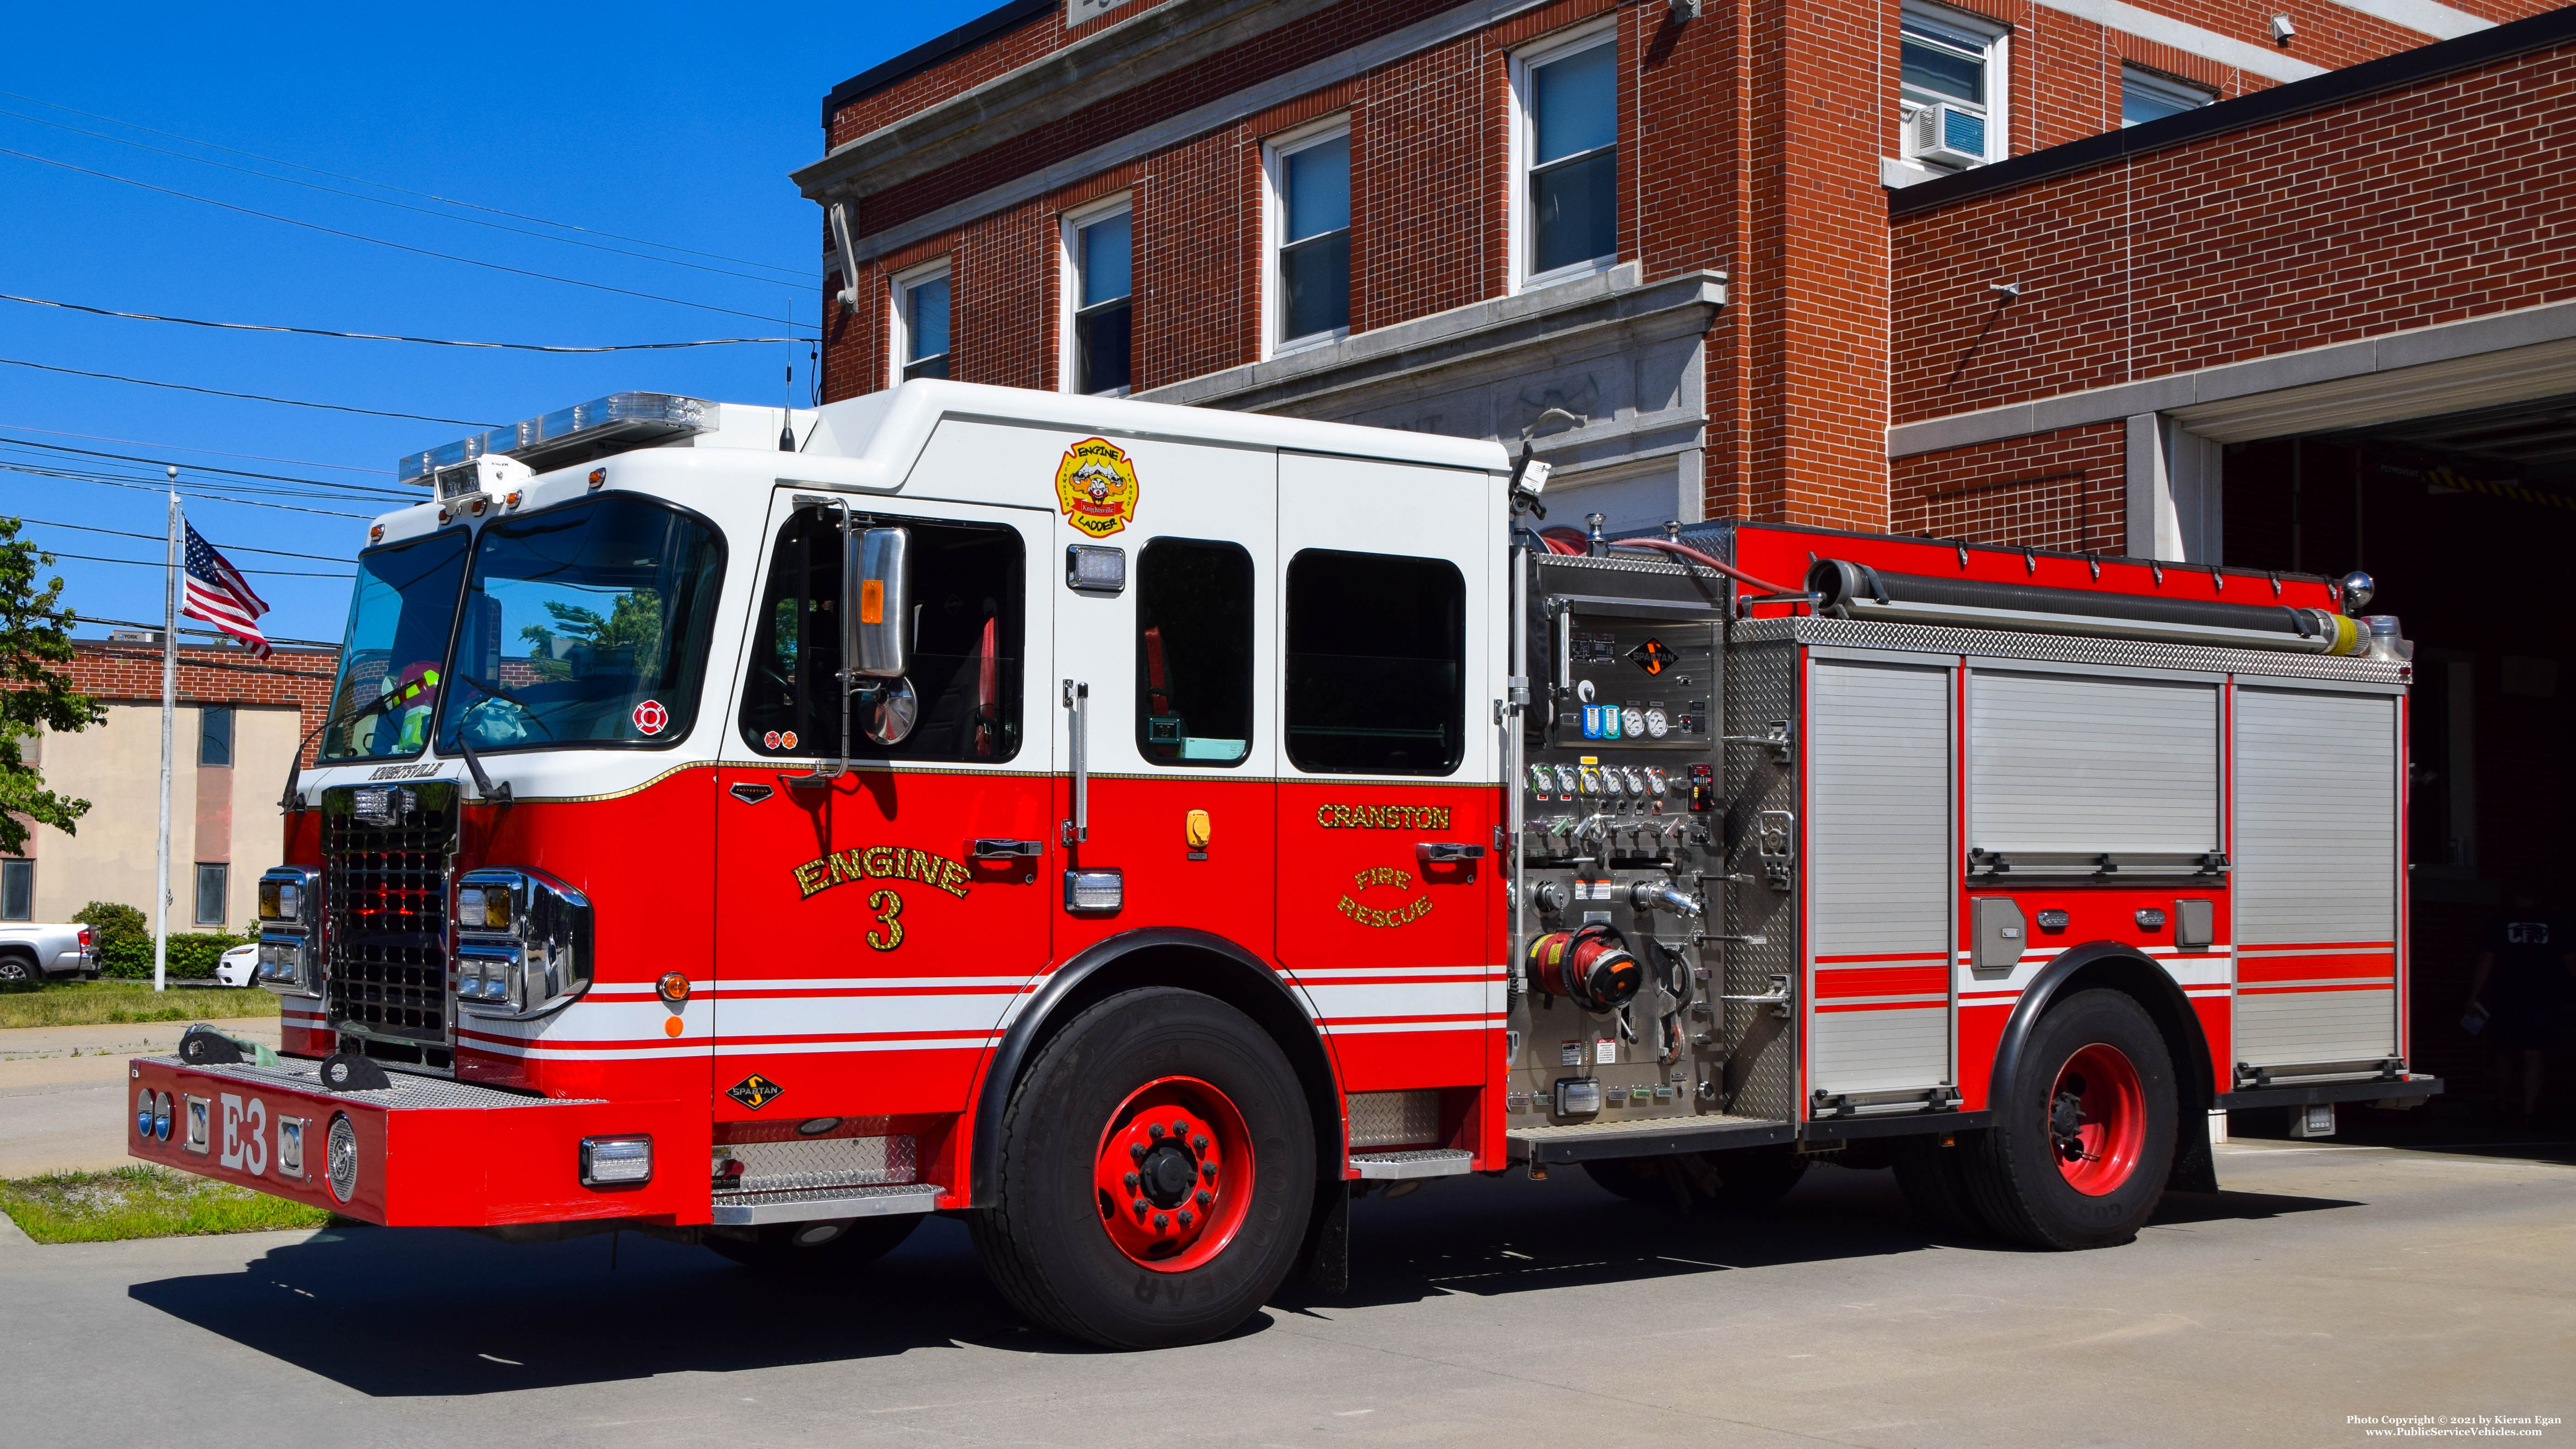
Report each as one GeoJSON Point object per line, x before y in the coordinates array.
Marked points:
{"type": "Point", "coordinates": [816, 1163]}
{"type": "Point", "coordinates": [2071, 649]}
{"type": "Point", "coordinates": [1388, 1119]}
{"type": "Point", "coordinates": [1757, 1050]}
{"type": "Point", "coordinates": [406, 1089]}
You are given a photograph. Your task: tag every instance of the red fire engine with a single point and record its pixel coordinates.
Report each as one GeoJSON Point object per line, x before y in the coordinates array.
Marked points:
{"type": "Point", "coordinates": [1137, 829]}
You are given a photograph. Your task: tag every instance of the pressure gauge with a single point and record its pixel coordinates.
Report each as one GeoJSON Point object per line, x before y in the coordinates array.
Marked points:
{"type": "Point", "coordinates": [1610, 780]}
{"type": "Point", "coordinates": [1591, 779]}
{"type": "Point", "coordinates": [1633, 720]}
{"type": "Point", "coordinates": [1636, 781]}
{"type": "Point", "coordinates": [1542, 780]}
{"type": "Point", "coordinates": [1565, 781]}
{"type": "Point", "coordinates": [1654, 781]}
{"type": "Point", "coordinates": [1657, 724]}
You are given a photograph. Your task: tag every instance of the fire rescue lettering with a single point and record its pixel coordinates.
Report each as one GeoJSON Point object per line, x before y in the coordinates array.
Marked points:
{"type": "Point", "coordinates": [1382, 817]}
{"type": "Point", "coordinates": [1384, 875]}
{"type": "Point", "coordinates": [881, 862]}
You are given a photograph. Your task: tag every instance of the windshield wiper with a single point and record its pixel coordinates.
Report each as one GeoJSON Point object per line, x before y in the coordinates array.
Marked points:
{"type": "Point", "coordinates": [465, 745]}
{"type": "Point", "coordinates": [292, 799]}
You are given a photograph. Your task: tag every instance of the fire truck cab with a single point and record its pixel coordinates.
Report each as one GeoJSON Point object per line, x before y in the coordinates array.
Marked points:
{"type": "Point", "coordinates": [1137, 829]}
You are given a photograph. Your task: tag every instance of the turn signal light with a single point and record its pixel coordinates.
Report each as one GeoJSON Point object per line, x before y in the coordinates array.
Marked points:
{"type": "Point", "coordinates": [673, 987]}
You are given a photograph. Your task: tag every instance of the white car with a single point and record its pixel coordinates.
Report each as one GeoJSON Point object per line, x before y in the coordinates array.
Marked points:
{"type": "Point", "coordinates": [239, 966]}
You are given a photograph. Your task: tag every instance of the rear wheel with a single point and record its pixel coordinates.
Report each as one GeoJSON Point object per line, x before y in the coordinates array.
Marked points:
{"type": "Point", "coordinates": [817, 1247]}
{"type": "Point", "coordinates": [1155, 1174]}
{"type": "Point", "coordinates": [2079, 1153]}
{"type": "Point", "coordinates": [19, 968]}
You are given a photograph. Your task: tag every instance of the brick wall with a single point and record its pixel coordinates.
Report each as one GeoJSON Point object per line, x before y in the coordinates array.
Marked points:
{"type": "Point", "coordinates": [2314, 230]}
{"type": "Point", "coordinates": [2063, 490]}
{"type": "Point", "coordinates": [132, 672]}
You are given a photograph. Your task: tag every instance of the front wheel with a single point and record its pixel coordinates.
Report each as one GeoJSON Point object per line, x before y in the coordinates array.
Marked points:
{"type": "Point", "coordinates": [2078, 1155]}
{"type": "Point", "coordinates": [1155, 1174]}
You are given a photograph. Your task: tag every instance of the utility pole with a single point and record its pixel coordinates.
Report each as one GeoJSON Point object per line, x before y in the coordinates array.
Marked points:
{"type": "Point", "coordinates": [169, 716]}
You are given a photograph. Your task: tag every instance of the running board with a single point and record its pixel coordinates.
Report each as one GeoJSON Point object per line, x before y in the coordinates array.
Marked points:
{"type": "Point", "coordinates": [1402, 1166]}
{"type": "Point", "coordinates": [1585, 1140]}
{"type": "Point", "coordinates": [813, 1204]}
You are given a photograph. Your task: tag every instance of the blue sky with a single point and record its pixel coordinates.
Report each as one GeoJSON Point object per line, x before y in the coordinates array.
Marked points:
{"type": "Point", "coordinates": [667, 124]}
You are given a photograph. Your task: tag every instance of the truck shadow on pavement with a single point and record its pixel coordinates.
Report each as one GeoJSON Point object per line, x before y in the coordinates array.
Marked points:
{"type": "Point", "coordinates": [421, 1312]}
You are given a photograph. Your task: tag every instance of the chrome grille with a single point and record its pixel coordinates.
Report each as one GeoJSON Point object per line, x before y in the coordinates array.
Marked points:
{"type": "Point", "coordinates": [385, 890]}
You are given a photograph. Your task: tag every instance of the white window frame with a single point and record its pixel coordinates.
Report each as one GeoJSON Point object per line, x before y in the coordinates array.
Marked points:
{"type": "Point", "coordinates": [1966, 31]}
{"type": "Point", "coordinates": [1069, 288]}
{"type": "Point", "coordinates": [2190, 97]}
{"type": "Point", "coordinates": [1274, 232]}
{"type": "Point", "coordinates": [1523, 136]}
{"type": "Point", "coordinates": [899, 320]}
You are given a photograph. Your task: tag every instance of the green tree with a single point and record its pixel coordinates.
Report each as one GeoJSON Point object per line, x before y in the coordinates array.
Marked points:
{"type": "Point", "coordinates": [633, 627]}
{"type": "Point", "coordinates": [35, 636]}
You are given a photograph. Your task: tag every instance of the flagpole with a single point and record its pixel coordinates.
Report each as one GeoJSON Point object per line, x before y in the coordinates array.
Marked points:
{"type": "Point", "coordinates": [169, 716]}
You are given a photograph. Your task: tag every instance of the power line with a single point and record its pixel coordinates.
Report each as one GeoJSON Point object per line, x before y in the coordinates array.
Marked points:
{"type": "Point", "coordinates": [799, 283]}
{"type": "Point", "coordinates": [183, 491]}
{"type": "Point", "coordinates": [380, 241]}
{"type": "Point", "coordinates": [156, 538]}
{"type": "Point", "coordinates": [200, 633]}
{"type": "Point", "coordinates": [154, 563]}
{"type": "Point", "coordinates": [202, 467]}
{"type": "Point", "coordinates": [384, 186]}
{"type": "Point", "coordinates": [184, 448]}
{"type": "Point", "coordinates": [390, 337]}
{"type": "Point", "coordinates": [248, 396]}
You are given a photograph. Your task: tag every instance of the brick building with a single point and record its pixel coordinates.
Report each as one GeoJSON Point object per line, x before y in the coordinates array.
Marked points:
{"type": "Point", "coordinates": [2286, 286]}
{"type": "Point", "coordinates": [238, 723]}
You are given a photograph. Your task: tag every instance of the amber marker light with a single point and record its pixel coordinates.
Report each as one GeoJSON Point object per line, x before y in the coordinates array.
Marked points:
{"type": "Point", "coordinates": [673, 987]}
{"type": "Point", "coordinates": [1195, 829]}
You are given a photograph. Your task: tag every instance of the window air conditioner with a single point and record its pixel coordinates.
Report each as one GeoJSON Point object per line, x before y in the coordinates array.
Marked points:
{"type": "Point", "coordinates": [1947, 136]}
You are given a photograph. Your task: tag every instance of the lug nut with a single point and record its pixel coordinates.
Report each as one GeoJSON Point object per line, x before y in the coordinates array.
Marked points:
{"type": "Point", "coordinates": [1162, 1221]}
{"type": "Point", "coordinates": [1136, 1151]}
{"type": "Point", "coordinates": [1208, 1171]}
{"type": "Point", "coordinates": [1206, 1197]}
{"type": "Point", "coordinates": [1180, 1126]}
{"type": "Point", "coordinates": [1131, 1181]}
{"type": "Point", "coordinates": [1198, 1144]}
{"type": "Point", "coordinates": [1185, 1217]}
{"type": "Point", "coordinates": [1154, 1130]}
{"type": "Point", "coordinates": [1141, 1205]}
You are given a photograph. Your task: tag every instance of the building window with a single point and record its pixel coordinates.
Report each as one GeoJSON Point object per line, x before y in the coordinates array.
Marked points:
{"type": "Point", "coordinates": [215, 734]}
{"type": "Point", "coordinates": [17, 890]}
{"type": "Point", "coordinates": [1951, 89]}
{"type": "Point", "coordinates": [1193, 653]}
{"type": "Point", "coordinates": [210, 894]}
{"type": "Point", "coordinates": [921, 323]}
{"type": "Point", "coordinates": [1100, 248]}
{"type": "Point", "coordinates": [1569, 98]}
{"type": "Point", "coordinates": [2146, 96]}
{"type": "Point", "coordinates": [1311, 200]}
{"type": "Point", "coordinates": [1377, 648]}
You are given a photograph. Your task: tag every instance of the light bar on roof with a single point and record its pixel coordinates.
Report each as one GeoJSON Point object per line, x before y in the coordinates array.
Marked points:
{"type": "Point", "coordinates": [573, 434]}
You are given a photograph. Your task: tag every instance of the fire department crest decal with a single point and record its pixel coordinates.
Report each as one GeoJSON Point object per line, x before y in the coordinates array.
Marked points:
{"type": "Point", "coordinates": [755, 1091]}
{"type": "Point", "coordinates": [1096, 486]}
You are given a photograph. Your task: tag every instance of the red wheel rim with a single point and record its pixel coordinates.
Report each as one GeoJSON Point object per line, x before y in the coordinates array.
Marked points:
{"type": "Point", "coordinates": [1174, 1176]}
{"type": "Point", "coordinates": [2097, 1119]}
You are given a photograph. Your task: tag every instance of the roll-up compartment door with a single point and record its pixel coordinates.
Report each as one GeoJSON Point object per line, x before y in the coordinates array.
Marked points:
{"type": "Point", "coordinates": [2084, 765]}
{"type": "Point", "coordinates": [2316, 877]}
{"type": "Point", "coordinates": [1880, 875]}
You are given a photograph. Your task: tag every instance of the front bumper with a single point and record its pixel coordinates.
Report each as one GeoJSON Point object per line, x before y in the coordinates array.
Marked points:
{"type": "Point", "coordinates": [429, 1152]}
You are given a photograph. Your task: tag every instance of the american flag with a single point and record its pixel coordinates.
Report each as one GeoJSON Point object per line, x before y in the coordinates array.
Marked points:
{"type": "Point", "coordinates": [217, 593]}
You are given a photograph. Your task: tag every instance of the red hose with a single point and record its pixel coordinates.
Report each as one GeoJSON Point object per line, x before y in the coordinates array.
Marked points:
{"type": "Point", "coordinates": [1563, 541]}
{"type": "Point", "coordinates": [1694, 555]}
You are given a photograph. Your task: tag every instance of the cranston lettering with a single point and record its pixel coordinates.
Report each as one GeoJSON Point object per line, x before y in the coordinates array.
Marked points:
{"type": "Point", "coordinates": [882, 862]}
{"type": "Point", "coordinates": [1382, 817]}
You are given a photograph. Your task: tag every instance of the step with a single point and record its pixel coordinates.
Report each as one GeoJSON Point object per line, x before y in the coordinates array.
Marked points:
{"type": "Point", "coordinates": [1423, 1162]}
{"type": "Point", "coordinates": [1654, 1137]}
{"type": "Point", "coordinates": [813, 1204]}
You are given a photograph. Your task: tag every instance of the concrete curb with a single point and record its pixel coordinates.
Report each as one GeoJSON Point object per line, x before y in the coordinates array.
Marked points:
{"type": "Point", "coordinates": [12, 1236]}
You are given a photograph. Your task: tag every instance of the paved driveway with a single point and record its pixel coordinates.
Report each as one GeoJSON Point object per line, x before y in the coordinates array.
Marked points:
{"type": "Point", "coordinates": [2331, 1281]}
{"type": "Point", "coordinates": [62, 1090]}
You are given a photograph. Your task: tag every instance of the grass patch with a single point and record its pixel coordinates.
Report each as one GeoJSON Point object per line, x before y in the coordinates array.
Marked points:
{"type": "Point", "coordinates": [109, 1003]}
{"type": "Point", "coordinates": [143, 1202]}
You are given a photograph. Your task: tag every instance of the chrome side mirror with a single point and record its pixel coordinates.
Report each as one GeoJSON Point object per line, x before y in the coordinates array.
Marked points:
{"type": "Point", "coordinates": [877, 615]}
{"type": "Point", "coordinates": [888, 710]}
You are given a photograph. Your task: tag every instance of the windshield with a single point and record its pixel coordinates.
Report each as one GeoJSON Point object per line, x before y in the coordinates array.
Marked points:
{"type": "Point", "coordinates": [586, 625]}
{"type": "Point", "coordinates": [398, 625]}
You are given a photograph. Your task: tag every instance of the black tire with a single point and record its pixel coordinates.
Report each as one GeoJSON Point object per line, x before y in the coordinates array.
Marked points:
{"type": "Point", "coordinates": [1742, 1179]}
{"type": "Point", "coordinates": [1929, 1171]}
{"type": "Point", "coordinates": [1044, 1232]}
{"type": "Point", "coordinates": [15, 968]}
{"type": "Point", "coordinates": [2013, 1170]}
{"type": "Point", "coordinates": [801, 1249]}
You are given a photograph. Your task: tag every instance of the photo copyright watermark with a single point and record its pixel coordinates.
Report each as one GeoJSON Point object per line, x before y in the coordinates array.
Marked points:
{"type": "Point", "coordinates": [2452, 1426]}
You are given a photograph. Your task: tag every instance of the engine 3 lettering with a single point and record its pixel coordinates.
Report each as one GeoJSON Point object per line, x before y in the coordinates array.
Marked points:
{"type": "Point", "coordinates": [881, 862]}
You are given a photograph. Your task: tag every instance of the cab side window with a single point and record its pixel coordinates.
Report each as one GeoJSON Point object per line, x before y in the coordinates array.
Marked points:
{"type": "Point", "coordinates": [1377, 648]}
{"type": "Point", "coordinates": [966, 647]}
{"type": "Point", "coordinates": [1193, 653]}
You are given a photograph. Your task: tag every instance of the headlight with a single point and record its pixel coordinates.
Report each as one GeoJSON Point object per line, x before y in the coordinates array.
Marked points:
{"type": "Point", "coordinates": [523, 943]}
{"type": "Point", "coordinates": [289, 956]}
